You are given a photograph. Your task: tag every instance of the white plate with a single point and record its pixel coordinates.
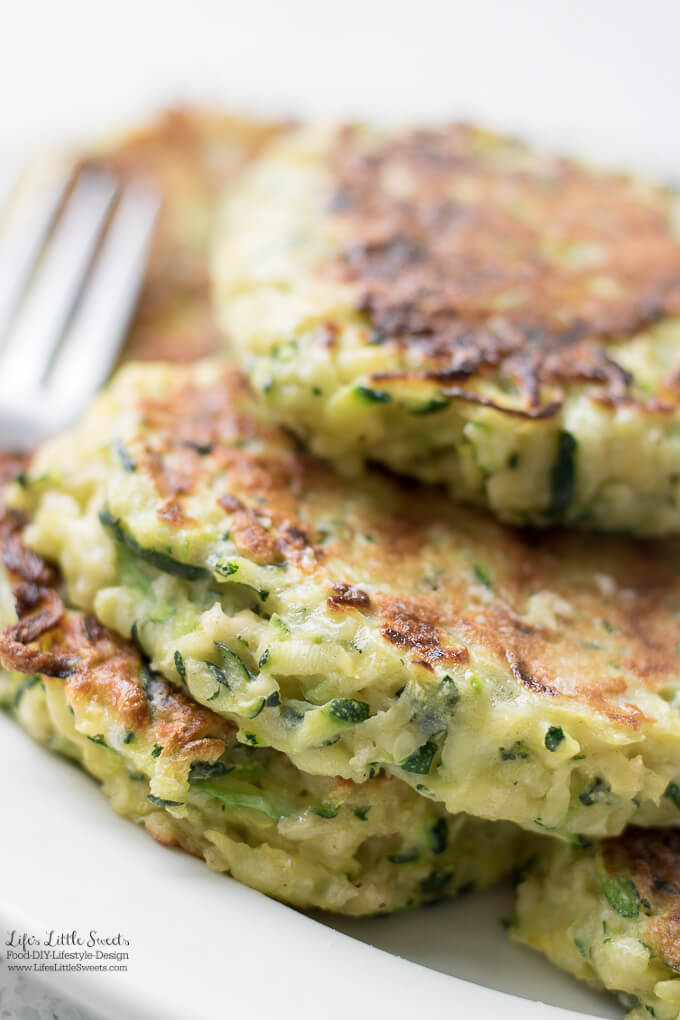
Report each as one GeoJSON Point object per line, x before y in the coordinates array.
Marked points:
{"type": "Point", "coordinates": [203, 946]}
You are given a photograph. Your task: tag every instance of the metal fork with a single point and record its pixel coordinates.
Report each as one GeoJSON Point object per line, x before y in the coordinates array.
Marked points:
{"type": "Point", "coordinates": [73, 249]}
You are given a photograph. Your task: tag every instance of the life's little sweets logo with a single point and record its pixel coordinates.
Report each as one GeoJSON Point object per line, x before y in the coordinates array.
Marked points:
{"type": "Point", "coordinates": [56, 950]}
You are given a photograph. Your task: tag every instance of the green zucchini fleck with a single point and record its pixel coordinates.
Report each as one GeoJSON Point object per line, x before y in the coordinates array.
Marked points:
{"type": "Point", "coordinates": [563, 475]}
{"type": "Point", "coordinates": [326, 810]}
{"type": "Point", "coordinates": [180, 667]}
{"type": "Point", "coordinates": [209, 770]}
{"type": "Point", "coordinates": [436, 882]}
{"type": "Point", "coordinates": [578, 839]}
{"type": "Point", "coordinates": [99, 740]}
{"type": "Point", "coordinates": [131, 571]}
{"type": "Point", "coordinates": [431, 406]}
{"type": "Point", "coordinates": [219, 675]}
{"type": "Point", "coordinates": [372, 396]}
{"type": "Point", "coordinates": [129, 737]}
{"type": "Point", "coordinates": [482, 575]}
{"type": "Point", "coordinates": [405, 857]}
{"type": "Point", "coordinates": [476, 686]}
{"type": "Point", "coordinates": [673, 793]}
{"type": "Point", "coordinates": [554, 738]}
{"type": "Point", "coordinates": [159, 560]}
{"type": "Point", "coordinates": [290, 715]}
{"type": "Point", "coordinates": [157, 750]}
{"type": "Point", "coordinates": [271, 701]}
{"type": "Point", "coordinates": [264, 659]}
{"type": "Point", "coordinates": [162, 613]}
{"type": "Point", "coordinates": [582, 948]}
{"type": "Point", "coordinates": [161, 802]}
{"type": "Point", "coordinates": [347, 710]}
{"type": "Point", "coordinates": [126, 460]}
{"type": "Point", "coordinates": [233, 669]}
{"type": "Point", "coordinates": [361, 812]}
{"type": "Point", "coordinates": [225, 569]}
{"type": "Point", "coordinates": [439, 836]}
{"type": "Point", "coordinates": [134, 637]}
{"type": "Point", "coordinates": [238, 799]}
{"type": "Point", "coordinates": [515, 751]}
{"type": "Point", "coordinates": [420, 762]}
{"type": "Point", "coordinates": [595, 792]}
{"type": "Point", "coordinates": [622, 896]}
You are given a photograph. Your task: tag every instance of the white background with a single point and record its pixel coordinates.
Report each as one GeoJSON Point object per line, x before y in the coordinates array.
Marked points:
{"type": "Point", "coordinates": [601, 75]}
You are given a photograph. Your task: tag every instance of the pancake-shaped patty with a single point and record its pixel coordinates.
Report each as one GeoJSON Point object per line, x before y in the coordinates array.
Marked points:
{"type": "Point", "coordinates": [179, 769]}
{"type": "Point", "coordinates": [468, 311]}
{"type": "Point", "coordinates": [526, 677]}
{"type": "Point", "coordinates": [610, 915]}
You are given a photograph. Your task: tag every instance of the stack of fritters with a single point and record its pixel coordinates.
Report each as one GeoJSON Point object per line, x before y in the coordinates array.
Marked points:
{"type": "Point", "coordinates": [342, 686]}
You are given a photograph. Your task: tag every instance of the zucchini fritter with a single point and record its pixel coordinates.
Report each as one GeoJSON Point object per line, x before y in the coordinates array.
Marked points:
{"type": "Point", "coordinates": [610, 915]}
{"type": "Point", "coordinates": [178, 769]}
{"type": "Point", "coordinates": [466, 310]}
{"type": "Point", "coordinates": [532, 678]}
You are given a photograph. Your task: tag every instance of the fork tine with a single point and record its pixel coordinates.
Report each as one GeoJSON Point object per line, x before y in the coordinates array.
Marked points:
{"type": "Point", "coordinates": [98, 328]}
{"type": "Point", "coordinates": [27, 215]}
{"type": "Point", "coordinates": [44, 313]}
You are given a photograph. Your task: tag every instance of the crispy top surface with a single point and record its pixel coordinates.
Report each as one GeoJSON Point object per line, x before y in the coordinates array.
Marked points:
{"type": "Point", "coordinates": [650, 858]}
{"type": "Point", "coordinates": [485, 259]}
{"type": "Point", "coordinates": [203, 475]}
{"type": "Point", "coordinates": [189, 157]}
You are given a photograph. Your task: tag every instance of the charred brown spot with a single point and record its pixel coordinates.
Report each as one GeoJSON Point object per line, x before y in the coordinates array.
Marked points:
{"type": "Point", "coordinates": [345, 596]}
{"type": "Point", "coordinates": [27, 596]}
{"type": "Point", "coordinates": [521, 672]}
{"type": "Point", "coordinates": [176, 478]}
{"type": "Point", "coordinates": [295, 541]}
{"type": "Point", "coordinates": [172, 513]}
{"type": "Point", "coordinates": [473, 261]}
{"type": "Point", "coordinates": [18, 559]}
{"type": "Point", "coordinates": [191, 424]}
{"type": "Point", "coordinates": [411, 627]}
{"type": "Point", "coordinates": [248, 534]}
{"type": "Point", "coordinates": [16, 651]}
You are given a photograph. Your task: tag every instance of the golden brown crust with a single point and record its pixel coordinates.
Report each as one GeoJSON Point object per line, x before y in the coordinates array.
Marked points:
{"type": "Point", "coordinates": [248, 534]}
{"type": "Point", "coordinates": [412, 625]}
{"type": "Point", "coordinates": [459, 251]}
{"type": "Point", "coordinates": [344, 596]}
{"type": "Point", "coordinates": [191, 430]}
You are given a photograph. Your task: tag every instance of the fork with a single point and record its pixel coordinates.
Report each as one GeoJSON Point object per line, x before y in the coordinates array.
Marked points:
{"type": "Point", "coordinates": [73, 250]}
